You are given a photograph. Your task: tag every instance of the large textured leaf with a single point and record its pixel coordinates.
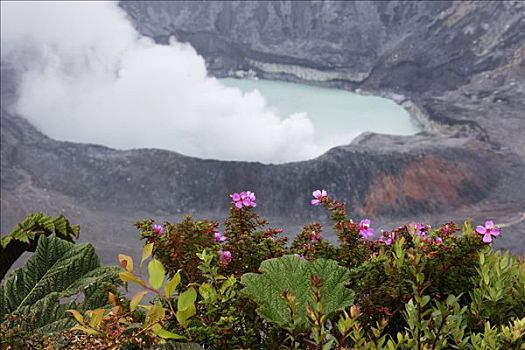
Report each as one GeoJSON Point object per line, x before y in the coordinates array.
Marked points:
{"type": "Point", "coordinates": [25, 235]}
{"type": "Point", "coordinates": [60, 275]}
{"type": "Point", "coordinates": [292, 274]}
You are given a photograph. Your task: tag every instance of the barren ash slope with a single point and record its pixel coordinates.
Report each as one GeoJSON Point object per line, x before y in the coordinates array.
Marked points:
{"type": "Point", "coordinates": [459, 67]}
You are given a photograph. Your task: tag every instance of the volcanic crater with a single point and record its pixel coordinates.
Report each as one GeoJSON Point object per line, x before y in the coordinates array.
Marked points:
{"type": "Point", "coordinates": [457, 67]}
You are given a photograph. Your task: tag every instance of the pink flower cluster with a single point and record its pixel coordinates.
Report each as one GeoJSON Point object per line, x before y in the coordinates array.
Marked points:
{"type": "Point", "coordinates": [315, 237]}
{"type": "Point", "coordinates": [225, 257]}
{"type": "Point", "coordinates": [218, 237]}
{"type": "Point", "coordinates": [245, 198]}
{"type": "Point", "coordinates": [390, 237]}
{"type": "Point", "coordinates": [158, 229]}
{"type": "Point", "coordinates": [422, 230]}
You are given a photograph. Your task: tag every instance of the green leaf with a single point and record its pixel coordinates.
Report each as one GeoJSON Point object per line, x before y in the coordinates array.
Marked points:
{"type": "Point", "coordinates": [165, 334]}
{"type": "Point", "coordinates": [21, 236]}
{"type": "Point", "coordinates": [96, 317]}
{"type": "Point", "coordinates": [186, 306]}
{"type": "Point", "coordinates": [154, 314]}
{"type": "Point", "coordinates": [208, 293]}
{"type": "Point", "coordinates": [77, 315]}
{"type": "Point", "coordinates": [292, 275]}
{"type": "Point", "coordinates": [156, 273]}
{"type": "Point", "coordinates": [185, 314]}
{"type": "Point", "coordinates": [171, 286]}
{"type": "Point", "coordinates": [127, 276]}
{"type": "Point", "coordinates": [24, 237]}
{"type": "Point", "coordinates": [146, 253]}
{"type": "Point", "coordinates": [186, 299]}
{"type": "Point", "coordinates": [137, 298]}
{"type": "Point", "coordinates": [86, 330]}
{"type": "Point", "coordinates": [57, 271]}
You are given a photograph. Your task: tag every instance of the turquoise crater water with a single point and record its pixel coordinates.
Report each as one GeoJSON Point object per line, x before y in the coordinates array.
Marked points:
{"type": "Point", "coordinates": [337, 115]}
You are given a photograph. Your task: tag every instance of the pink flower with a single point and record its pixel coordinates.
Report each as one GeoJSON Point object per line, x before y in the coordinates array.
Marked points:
{"type": "Point", "coordinates": [488, 231]}
{"type": "Point", "coordinates": [225, 257]}
{"type": "Point", "coordinates": [318, 195]}
{"type": "Point", "coordinates": [387, 238]}
{"type": "Point", "coordinates": [422, 230]}
{"type": "Point", "coordinates": [245, 198]}
{"type": "Point", "coordinates": [390, 239]}
{"type": "Point", "coordinates": [158, 229]}
{"type": "Point", "coordinates": [218, 237]}
{"type": "Point", "coordinates": [365, 230]}
{"type": "Point", "coordinates": [438, 240]}
{"type": "Point", "coordinates": [315, 237]}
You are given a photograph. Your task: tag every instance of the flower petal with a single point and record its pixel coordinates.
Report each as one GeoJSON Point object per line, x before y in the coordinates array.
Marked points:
{"type": "Point", "coordinates": [316, 194]}
{"type": "Point", "coordinates": [495, 231]}
{"type": "Point", "coordinates": [487, 238]}
{"type": "Point", "coordinates": [481, 230]}
{"type": "Point", "coordinates": [315, 201]}
{"type": "Point", "coordinates": [489, 224]}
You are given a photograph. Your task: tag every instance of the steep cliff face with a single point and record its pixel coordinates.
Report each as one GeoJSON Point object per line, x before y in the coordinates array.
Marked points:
{"type": "Point", "coordinates": [439, 43]}
{"type": "Point", "coordinates": [459, 66]}
{"type": "Point", "coordinates": [394, 182]}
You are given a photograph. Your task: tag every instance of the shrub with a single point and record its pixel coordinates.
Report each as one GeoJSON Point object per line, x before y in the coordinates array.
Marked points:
{"type": "Point", "coordinates": [433, 274]}
{"type": "Point", "coordinates": [415, 287]}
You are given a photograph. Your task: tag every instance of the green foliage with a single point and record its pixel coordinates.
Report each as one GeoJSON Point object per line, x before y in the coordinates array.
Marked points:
{"type": "Point", "coordinates": [39, 223]}
{"type": "Point", "coordinates": [249, 242]}
{"type": "Point", "coordinates": [179, 243]}
{"type": "Point", "coordinates": [25, 235]}
{"type": "Point", "coordinates": [58, 276]}
{"type": "Point", "coordinates": [384, 282]}
{"type": "Point", "coordinates": [415, 287]}
{"type": "Point", "coordinates": [126, 324]}
{"type": "Point", "coordinates": [310, 244]}
{"type": "Point", "coordinates": [499, 293]}
{"type": "Point", "coordinates": [283, 290]}
{"type": "Point", "coordinates": [163, 290]}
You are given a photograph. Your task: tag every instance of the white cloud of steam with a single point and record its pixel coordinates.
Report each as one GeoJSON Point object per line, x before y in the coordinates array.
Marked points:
{"type": "Point", "coordinates": [90, 77]}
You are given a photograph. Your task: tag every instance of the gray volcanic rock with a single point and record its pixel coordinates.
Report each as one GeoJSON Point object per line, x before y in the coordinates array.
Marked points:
{"type": "Point", "coordinates": [457, 66]}
{"type": "Point", "coordinates": [383, 177]}
{"type": "Point", "coordinates": [450, 58]}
